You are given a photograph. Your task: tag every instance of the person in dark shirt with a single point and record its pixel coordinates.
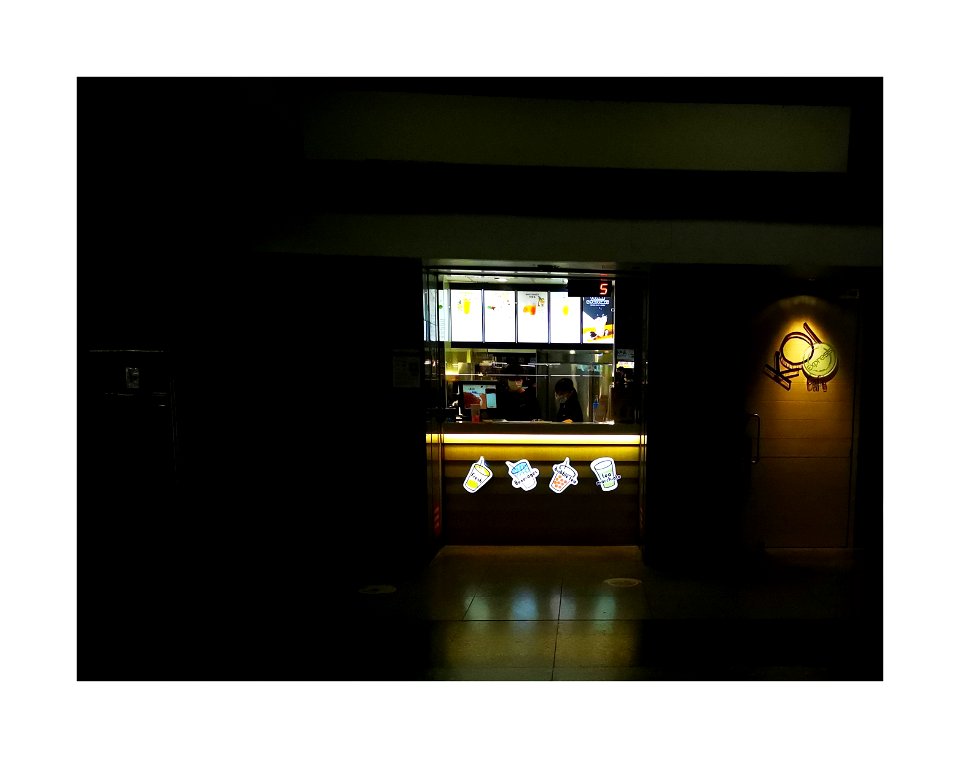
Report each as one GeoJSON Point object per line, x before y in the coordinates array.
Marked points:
{"type": "Point", "coordinates": [568, 402]}
{"type": "Point", "coordinates": [516, 401]}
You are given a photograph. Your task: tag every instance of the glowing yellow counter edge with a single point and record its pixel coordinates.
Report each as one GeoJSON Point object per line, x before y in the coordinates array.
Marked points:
{"type": "Point", "coordinates": [540, 439]}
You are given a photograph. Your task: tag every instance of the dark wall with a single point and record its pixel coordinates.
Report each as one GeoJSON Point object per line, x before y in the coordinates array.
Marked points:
{"type": "Point", "coordinates": [697, 450]}
{"type": "Point", "coordinates": [868, 508]}
{"type": "Point", "coordinates": [701, 319]}
{"type": "Point", "coordinates": [285, 405]}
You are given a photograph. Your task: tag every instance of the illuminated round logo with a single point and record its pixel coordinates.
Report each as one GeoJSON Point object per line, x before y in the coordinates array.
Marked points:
{"type": "Point", "coordinates": [822, 364]}
{"type": "Point", "coordinates": [803, 351]}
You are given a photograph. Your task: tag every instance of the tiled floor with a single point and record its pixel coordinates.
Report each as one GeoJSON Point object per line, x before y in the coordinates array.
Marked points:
{"type": "Point", "coordinates": [598, 613]}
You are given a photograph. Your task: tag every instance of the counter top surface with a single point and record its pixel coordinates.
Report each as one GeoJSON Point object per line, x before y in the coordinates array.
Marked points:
{"type": "Point", "coordinates": [538, 427]}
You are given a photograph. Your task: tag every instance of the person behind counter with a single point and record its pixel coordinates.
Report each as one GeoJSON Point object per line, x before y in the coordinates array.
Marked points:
{"type": "Point", "coordinates": [518, 402]}
{"type": "Point", "coordinates": [568, 402]}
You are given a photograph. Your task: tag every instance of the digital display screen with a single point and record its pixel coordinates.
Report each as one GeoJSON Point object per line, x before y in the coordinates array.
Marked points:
{"type": "Point", "coordinates": [597, 319]}
{"type": "Point", "coordinates": [588, 287]}
{"type": "Point", "coordinates": [484, 395]}
{"type": "Point", "coordinates": [436, 312]}
{"type": "Point", "coordinates": [442, 298]}
{"type": "Point", "coordinates": [466, 315]}
{"type": "Point", "coordinates": [564, 318]}
{"type": "Point", "coordinates": [499, 316]}
{"type": "Point", "coordinates": [532, 316]}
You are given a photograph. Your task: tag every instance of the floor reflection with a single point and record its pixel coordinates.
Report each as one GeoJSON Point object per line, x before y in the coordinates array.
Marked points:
{"type": "Point", "coordinates": [552, 613]}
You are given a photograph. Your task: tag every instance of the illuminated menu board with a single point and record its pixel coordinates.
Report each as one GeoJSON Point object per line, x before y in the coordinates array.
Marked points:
{"type": "Point", "coordinates": [436, 315]}
{"type": "Point", "coordinates": [499, 316]}
{"type": "Point", "coordinates": [532, 317]}
{"type": "Point", "coordinates": [443, 314]}
{"type": "Point", "coordinates": [466, 316]}
{"type": "Point", "coordinates": [429, 332]}
{"type": "Point", "coordinates": [597, 319]}
{"type": "Point", "coordinates": [564, 318]}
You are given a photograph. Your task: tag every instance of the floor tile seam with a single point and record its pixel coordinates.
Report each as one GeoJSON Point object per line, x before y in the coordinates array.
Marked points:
{"type": "Point", "coordinates": [556, 634]}
{"type": "Point", "coordinates": [556, 642]}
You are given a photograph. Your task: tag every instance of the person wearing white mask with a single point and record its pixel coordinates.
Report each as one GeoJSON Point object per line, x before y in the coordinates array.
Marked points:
{"type": "Point", "coordinates": [519, 402]}
{"type": "Point", "coordinates": [568, 402]}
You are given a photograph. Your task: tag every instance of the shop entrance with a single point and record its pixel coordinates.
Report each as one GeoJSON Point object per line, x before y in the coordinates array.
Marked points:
{"type": "Point", "coordinates": [536, 432]}
{"type": "Point", "coordinates": [800, 404]}
{"type": "Point", "coordinates": [752, 412]}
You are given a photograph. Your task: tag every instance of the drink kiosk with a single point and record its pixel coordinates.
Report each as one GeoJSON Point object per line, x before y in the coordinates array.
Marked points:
{"type": "Point", "coordinates": [511, 472]}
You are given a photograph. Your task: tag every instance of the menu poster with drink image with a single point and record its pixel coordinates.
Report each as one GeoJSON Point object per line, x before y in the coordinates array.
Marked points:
{"type": "Point", "coordinates": [466, 316]}
{"type": "Point", "coordinates": [597, 319]}
{"type": "Point", "coordinates": [499, 316]}
{"type": "Point", "coordinates": [564, 318]}
{"type": "Point", "coordinates": [532, 317]}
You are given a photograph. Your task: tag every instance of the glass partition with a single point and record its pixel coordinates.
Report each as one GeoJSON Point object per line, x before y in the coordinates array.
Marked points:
{"type": "Point", "coordinates": [537, 371]}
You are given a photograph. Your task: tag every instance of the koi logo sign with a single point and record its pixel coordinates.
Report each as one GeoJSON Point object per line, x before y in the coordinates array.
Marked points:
{"type": "Point", "coordinates": [818, 361]}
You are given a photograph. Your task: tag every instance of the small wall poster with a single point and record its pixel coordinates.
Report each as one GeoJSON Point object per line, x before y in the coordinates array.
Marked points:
{"type": "Point", "coordinates": [406, 368]}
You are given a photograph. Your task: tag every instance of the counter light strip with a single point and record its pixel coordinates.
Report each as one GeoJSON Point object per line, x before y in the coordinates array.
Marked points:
{"type": "Point", "coordinates": [545, 439]}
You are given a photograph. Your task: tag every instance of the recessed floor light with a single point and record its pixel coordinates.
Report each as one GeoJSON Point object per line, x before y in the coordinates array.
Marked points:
{"type": "Point", "coordinates": [622, 582]}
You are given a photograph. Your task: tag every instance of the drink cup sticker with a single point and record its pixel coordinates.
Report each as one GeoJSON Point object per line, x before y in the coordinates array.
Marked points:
{"type": "Point", "coordinates": [522, 474]}
{"type": "Point", "coordinates": [478, 475]}
{"type": "Point", "coordinates": [563, 476]}
{"type": "Point", "coordinates": [606, 471]}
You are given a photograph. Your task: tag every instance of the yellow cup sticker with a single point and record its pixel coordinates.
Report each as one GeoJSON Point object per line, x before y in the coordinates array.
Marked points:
{"type": "Point", "coordinates": [478, 475]}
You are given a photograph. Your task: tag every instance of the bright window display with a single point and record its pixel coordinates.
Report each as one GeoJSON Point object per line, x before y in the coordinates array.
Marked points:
{"type": "Point", "coordinates": [532, 317]}
{"type": "Point", "coordinates": [597, 319]}
{"type": "Point", "coordinates": [564, 318]}
{"type": "Point", "coordinates": [466, 315]}
{"type": "Point", "coordinates": [499, 316]}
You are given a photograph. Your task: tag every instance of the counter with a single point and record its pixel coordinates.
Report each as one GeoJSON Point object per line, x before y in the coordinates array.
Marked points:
{"type": "Point", "coordinates": [496, 510]}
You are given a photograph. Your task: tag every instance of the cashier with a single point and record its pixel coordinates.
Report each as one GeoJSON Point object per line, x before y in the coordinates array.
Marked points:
{"type": "Point", "coordinates": [568, 403]}
{"type": "Point", "coordinates": [517, 401]}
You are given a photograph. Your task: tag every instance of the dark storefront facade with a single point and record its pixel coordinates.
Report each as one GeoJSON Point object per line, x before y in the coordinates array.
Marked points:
{"type": "Point", "coordinates": [312, 418]}
{"type": "Point", "coordinates": [735, 441]}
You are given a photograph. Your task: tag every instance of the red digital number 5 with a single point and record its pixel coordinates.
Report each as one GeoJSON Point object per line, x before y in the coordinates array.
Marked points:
{"type": "Point", "coordinates": [603, 288]}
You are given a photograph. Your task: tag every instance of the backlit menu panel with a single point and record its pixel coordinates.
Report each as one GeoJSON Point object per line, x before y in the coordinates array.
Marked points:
{"type": "Point", "coordinates": [436, 315]}
{"type": "Point", "coordinates": [466, 315]}
{"type": "Point", "coordinates": [499, 316]}
{"type": "Point", "coordinates": [532, 316]}
{"type": "Point", "coordinates": [564, 318]}
{"type": "Point", "coordinates": [597, 319]}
